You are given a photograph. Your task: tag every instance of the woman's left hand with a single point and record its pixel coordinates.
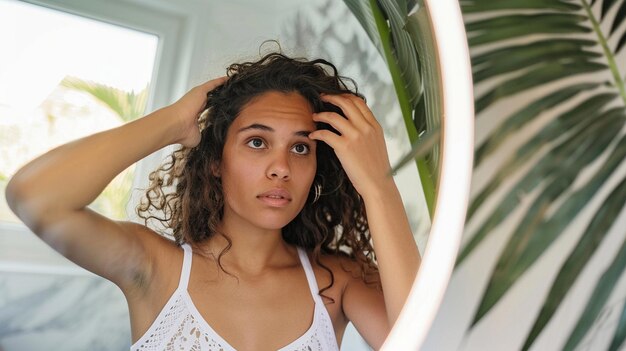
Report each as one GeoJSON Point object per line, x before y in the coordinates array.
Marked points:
{"type": "Point", "coordinates": [360, 144]}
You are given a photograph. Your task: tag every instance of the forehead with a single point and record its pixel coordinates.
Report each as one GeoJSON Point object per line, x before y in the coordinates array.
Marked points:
{"type": "Point", "coordinates": [276, 108]}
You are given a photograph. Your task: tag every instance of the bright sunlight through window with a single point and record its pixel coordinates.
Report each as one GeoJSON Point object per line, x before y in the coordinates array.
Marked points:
{"type": "Point", "coordinates": [63, 77]}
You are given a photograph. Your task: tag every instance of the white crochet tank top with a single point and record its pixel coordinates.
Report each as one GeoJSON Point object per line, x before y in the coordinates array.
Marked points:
{"type": "Point", "coordinates": [180, 326]}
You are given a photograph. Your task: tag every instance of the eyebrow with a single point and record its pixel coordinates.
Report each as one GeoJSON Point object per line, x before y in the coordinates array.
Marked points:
{"type": "Point", "coordinates": [263, 127]}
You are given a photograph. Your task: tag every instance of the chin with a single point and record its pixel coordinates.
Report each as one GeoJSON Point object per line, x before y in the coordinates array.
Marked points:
{"type": "Point", "coordinates": [274, 225]}
{"type": "Point", "coordinates": [274, 222]}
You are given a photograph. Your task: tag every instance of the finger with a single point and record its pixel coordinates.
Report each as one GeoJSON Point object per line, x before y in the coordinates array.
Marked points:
{"type": "Point", "coordinates": [332, 139]}
{"type": "Point", "coordinates": [342, 125]}
{"type": "Point", "coordinates": [348, 107]}
{"type": "Point", "coordinates": [365, 110]}
{"type": "Point", "coordinates": [213, 83]}
{"type": "Point", "coordinates": [200, 92]}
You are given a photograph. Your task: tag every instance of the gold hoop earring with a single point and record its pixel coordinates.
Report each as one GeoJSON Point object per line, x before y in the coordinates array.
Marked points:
{"type": "Point", "coordinates": [318, 192]}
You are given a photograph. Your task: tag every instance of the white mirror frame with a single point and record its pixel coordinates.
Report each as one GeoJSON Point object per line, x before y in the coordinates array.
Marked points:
{"type": "Point", "coordinates": [457, 149]}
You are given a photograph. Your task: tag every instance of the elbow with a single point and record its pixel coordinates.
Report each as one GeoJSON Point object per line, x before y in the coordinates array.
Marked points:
{"type": "Point", "coordinates": [24, 204]}
{"type": "Point", "coordinates": [13, 194]}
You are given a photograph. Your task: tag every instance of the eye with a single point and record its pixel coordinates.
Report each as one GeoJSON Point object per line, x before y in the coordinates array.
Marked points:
{"type": "Point", "coordinates": [301, 149]}
{"type": "Point", "coordinates": [256, 143]}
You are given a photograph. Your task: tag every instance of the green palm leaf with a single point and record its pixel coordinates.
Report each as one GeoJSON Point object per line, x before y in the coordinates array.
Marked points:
{"type": "Point", "coordinates": [544, 48]}
{"type": "Point", "coordinates": [535, 77]}
{"type": "Point", "coordinates": [620, 331]}
{"type": "Point", "coordinates": [573, 120]}
{"type": "Point", "coordinates": [394, 46]}
{"type": "Point", "coordinates": [515, 58]}
{"type": "Point", "coordinates": [513, 26]}
{"type": "Point", "coordinates": [606, 6]}
{"type": "Point", "coordinates": [524, 116]}
{"type": "Point", "coordinates": [607, 281]}
{"type": "Point", "coordinates": [548, 166]}
{"type": "Point", "coordinates": [482, 6]}
{"type": "Point", "coordinates": [619, 19]}
{"type": "Point", "coordinates": [420, 149]}
{"type": "Point", "coordinates": [582, 253]}
{"type": "Point", "coordinates": [430, 105]}
{"type": "Point", "coordinates": [403, 50]}
{"type": "Point", "coordinates": [537, 231]}
{"type": "Point", "coordinates": [127, 105]}
{"type": "Point", "coordinates": [399, 30]}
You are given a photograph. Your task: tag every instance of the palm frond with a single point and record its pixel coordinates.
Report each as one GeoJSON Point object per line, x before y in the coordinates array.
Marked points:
{"type": "Point", "coordinates": [537, 230]}
{"type": "Point", "coordinates": [549, 45]}
{"type": "Point", "coordinates": [606, 6]}
{"type": "Point", "coordinates": [383, 24]}
{"type": "Point", "coordinates": [605, 285]}
{"type": "Point", "coordinates": [127, 105]}
{"type": "Point", "coordinates": [579, 257]}
{"type": "Point", "coordinates": [547, 168]}
{"type": "Point", "coordinates": [620, 17]}
{"type": "Point", "coordinates": [519, 57]}
{"type": "Point", "coordinates": [620, 332]}
{"type": "Point", "coordinates": [430, 106]}
{"type": "Point", "coordinates": [527, 114]}
{"type": "Point", "coordinates": [420, 149]}
{"type": "Point", "coordinates": [403, 49]}
{"type": "Point", "coordinates": [535, 77]}
{"type": "Point", "coordinates": [472, 6]}
{"type": "Point", "coordinates": [500, 28]}
{"type": "Point", "coordinates": [363, 11]}
{"type": "Point", "coordinates": [395, 28]}
{"type": "Point", "coordinates": [573, 120]}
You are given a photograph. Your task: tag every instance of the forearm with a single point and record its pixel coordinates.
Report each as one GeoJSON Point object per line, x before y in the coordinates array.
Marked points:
{"type": "Point", "coordinates": [71, 176]}
{"type": "Point", "coordinates": [396, 250]}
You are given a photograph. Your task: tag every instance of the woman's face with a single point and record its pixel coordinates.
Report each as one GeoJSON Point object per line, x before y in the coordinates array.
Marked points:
{"type": "Point", "coordinates": [268, 163]}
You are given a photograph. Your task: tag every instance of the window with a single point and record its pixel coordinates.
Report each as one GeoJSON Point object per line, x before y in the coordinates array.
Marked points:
{"type": "Point", "coordinates": [67, 71]}
{"type": "Point", "coordinates": [67, 77]}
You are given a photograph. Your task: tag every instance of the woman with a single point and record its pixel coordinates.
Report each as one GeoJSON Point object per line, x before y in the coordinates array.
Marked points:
{"type": "Point", "coordinates": [280, 188]}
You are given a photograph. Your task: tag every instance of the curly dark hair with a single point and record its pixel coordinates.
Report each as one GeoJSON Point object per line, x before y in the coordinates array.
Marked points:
{"type": "Point", "coordinates": [335, 224]}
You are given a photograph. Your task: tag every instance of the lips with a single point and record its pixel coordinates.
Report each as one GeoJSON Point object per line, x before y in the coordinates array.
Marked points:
{"type": "Point", "coordinates": [275, 197]}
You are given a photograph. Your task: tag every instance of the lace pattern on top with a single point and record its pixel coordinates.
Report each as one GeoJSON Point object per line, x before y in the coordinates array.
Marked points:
{"type": "Point", "coordinates": [180, 326]}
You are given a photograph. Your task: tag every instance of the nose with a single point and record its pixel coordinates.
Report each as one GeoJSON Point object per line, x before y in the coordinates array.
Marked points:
{"type": "Point", "coordinates": [279, 167]}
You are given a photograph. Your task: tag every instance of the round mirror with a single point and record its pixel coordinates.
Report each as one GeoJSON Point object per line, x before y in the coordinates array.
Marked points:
{"type": "Point", "coordinates": [409, 58]}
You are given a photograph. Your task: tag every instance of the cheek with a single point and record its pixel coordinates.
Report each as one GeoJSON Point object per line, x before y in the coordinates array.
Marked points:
{"type": "Point", "coordinates": [237, 176]}
{"type": "Point", "coordinates": [306, 175]}
{"type": "Point", "coordinates": [229, 176]}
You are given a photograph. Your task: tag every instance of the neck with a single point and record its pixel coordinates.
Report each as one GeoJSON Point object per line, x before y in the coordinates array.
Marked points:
{"type": "Point", "coordinates": [253, 249]}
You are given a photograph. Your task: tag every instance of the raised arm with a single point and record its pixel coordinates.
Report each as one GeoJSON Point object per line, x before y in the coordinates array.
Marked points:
{"type": "Point", "coordinates": [363, 154]}
{"type": "Point", "coordinates": [50, 194]}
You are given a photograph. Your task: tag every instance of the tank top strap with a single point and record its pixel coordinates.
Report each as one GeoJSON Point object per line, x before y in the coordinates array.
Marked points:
{"type": "Point", "coordinates": [186, 270]}
{"type": "Point", "coordinates": [310, 275]}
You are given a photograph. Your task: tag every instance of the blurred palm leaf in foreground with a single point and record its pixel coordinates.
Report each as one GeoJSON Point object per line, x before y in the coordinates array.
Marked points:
{"type": "Point", "coordinates": [570, 51]}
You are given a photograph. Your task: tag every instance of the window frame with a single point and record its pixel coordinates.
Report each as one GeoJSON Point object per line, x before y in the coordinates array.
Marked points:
{"type": "Point", "coordinates": [175, 26]}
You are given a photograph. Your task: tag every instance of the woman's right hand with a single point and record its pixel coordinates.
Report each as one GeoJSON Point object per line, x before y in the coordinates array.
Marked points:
{"type": "Point", "coordinates": [187, 109]}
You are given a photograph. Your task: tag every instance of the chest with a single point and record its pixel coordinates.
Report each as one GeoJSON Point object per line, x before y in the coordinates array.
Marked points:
{"type": "Point", "coordinates": [272, 310]}
{"type": "Point", "coordinates": [246, 312]}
